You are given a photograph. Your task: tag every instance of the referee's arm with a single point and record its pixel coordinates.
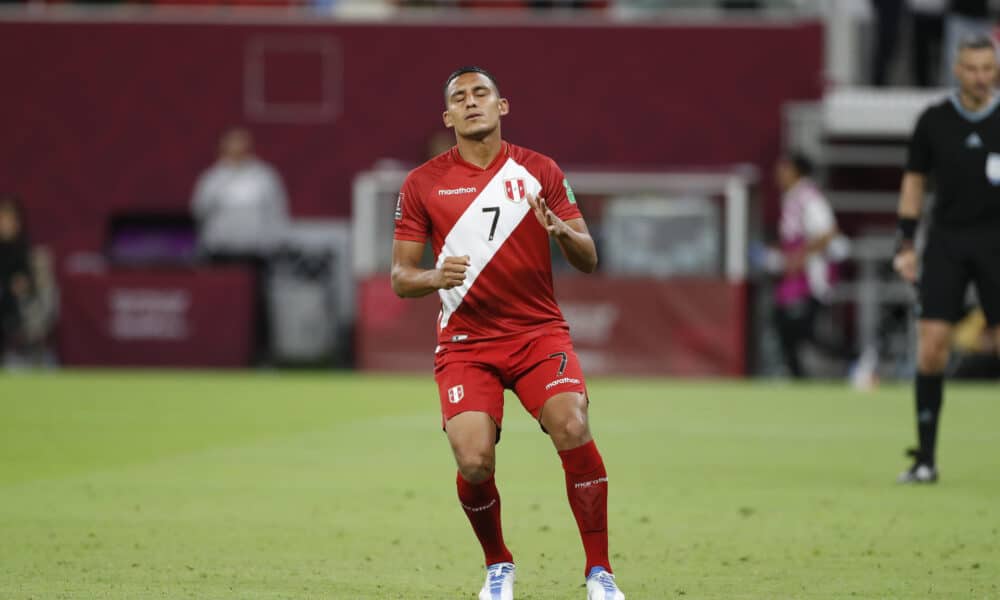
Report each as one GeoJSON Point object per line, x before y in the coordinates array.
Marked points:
{"type": "Point", "coordinates": [911, 195]}
{"type": "Point", "coordinates": [911, 200]}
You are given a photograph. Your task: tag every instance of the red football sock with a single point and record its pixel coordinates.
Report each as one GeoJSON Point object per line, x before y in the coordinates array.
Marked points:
{"type": "Point", "coordinates": [481, 503]}
{"type": "Point", "coordinates": [587, 488]}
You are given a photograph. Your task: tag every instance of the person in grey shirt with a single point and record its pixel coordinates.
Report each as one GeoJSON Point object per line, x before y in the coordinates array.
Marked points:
{"type": "Point", "coordinates": [242, 212]}
{"type": "Point", "coordinates": [240, 201]}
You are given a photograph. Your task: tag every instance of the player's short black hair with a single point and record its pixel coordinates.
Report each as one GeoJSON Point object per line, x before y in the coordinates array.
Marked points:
{"type": "Point", "coordinates": [976, 41]}
{"type": "Point", "coordinates": [470, 69]}
{"type": "Point", "coordinates": [803, 164]}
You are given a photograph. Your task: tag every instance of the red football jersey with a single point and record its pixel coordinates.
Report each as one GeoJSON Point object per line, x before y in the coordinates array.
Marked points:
{"type": "Point", "coordinates": [483, 213]}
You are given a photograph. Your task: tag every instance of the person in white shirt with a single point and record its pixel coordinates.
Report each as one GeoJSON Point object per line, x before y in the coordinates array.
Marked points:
{"type": "Point", "coordinates": [242, 212]}
{"type": "Point", "coordinates": [807, 232]}
{"type": "Point", "coordinates": [240, 201]}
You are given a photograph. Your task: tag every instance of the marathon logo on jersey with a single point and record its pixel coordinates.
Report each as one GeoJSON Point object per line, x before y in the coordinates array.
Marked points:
{"type": "Point", "coordinates": [561, 381]}
{"type": "Point", "coordinates": [515, 190]}
{"type": "Point", "coordinates": [455, 394]}
{"type": "Point", "coordinates": [457, 191]}
{"type": "Point", "coordinates": [399, 207]}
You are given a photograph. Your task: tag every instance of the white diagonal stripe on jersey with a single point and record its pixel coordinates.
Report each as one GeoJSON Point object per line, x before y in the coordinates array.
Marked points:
{"type": "Point", "coordinates": [470, 234]}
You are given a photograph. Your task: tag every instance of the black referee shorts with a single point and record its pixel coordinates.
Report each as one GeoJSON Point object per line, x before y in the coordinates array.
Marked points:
{"type": "Point", "coordinates": [953, 258]}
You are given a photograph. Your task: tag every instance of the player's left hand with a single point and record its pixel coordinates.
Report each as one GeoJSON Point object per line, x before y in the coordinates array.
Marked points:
{"type": "Point", "coordinates": [546, 218]}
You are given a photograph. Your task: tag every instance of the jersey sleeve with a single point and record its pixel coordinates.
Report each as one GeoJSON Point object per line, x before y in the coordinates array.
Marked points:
{"type": "Point", "coordinates": [557, 193]}
{"type": "Point", "coordinates": [919, 158]}
{"type": "Point", "coordinates": [412, 222]}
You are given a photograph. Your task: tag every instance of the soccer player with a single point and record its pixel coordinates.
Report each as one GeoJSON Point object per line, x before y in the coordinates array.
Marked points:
{"type": "Point", "coordinates": [489, 209]}
{"type": "Point", "coordinates": [957, 141]}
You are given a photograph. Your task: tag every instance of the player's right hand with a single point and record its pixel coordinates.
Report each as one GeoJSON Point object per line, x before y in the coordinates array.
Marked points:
{"type": "Point", "coordinates": [905, 264]}
{"type": "Point", "coordinates": [451, 273]}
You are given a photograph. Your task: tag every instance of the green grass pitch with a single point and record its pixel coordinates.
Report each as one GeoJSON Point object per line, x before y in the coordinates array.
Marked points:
{"type": "Point", "coordinates": [287, 485]}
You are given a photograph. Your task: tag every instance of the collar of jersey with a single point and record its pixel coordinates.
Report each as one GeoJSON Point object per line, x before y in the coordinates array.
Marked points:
{"type": "Point", "coordinates": [978, 115]}
{"type": "Point", "coordinates": [501, 156]}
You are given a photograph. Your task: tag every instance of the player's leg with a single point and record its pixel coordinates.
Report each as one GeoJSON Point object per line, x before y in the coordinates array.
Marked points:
{"type": "Point", "coordinates": [472, 410]}
{"type": "Point", "coordinates": [790, 337]}
{"type": "Point", "coordinates": [472, 436]}
{"type": "Point", "coordinates": [552, 389]}
{"type": "Point", "coordinates": [943, 282]}
{"type": "Point", "coordinates": [564, 417]}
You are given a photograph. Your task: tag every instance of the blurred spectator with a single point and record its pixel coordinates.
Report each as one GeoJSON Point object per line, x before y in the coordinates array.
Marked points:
{"type": "Point", "coordinates": [888, 18]}
{"type": "Point", "coordinates": [808, 235]}
{"type": "Point", "coordinates": [508, 4]}
{"type": "Point", "coordinates": [240, 201]}
{"type": "Point", "coordinates": [562, 3]}
{"type": "Point", "coordinates": [965, 18]}
{"type": "Point", "coordinates": [928, 25]}
{"type": "Point", "coordinates": [241, 208]}
{"type": "Point", "coordinates": [15, 270]}
{"type": "Point", "coordinates": [740, 4]}
{"type": "Point", "coordinates": [27, 292]}
{"type": "Point", "coordinates": [39, 312]}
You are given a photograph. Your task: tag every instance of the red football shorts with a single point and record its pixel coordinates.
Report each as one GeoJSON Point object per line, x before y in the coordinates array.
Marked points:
{"type": "Point", "coordinates": [536, 365]}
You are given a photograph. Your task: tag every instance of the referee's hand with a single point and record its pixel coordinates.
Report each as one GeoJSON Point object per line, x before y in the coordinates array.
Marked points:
{"type": "Point", "coordinates": [905, 264]}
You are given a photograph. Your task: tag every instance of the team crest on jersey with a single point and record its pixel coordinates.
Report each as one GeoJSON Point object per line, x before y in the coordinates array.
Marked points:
{"type": "Point", "coordinates": [515, 190]}
{"type": "Point", "coordinates": [455, 394]}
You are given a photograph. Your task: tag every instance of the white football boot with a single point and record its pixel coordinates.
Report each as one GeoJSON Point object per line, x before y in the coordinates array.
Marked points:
{"type": "Point", "coordinates": [499, 582]}
{"type": "Point", "coordinates": [601, 586]}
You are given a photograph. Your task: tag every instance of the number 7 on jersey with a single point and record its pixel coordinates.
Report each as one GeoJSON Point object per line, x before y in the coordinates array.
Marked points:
{"type": "Point", "coordinates": [496, 217]}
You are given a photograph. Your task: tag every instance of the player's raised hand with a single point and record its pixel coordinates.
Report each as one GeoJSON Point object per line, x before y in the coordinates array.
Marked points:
{"type": "Point", "coordinates": [905, 264]}
{"type": "Point", "coordinates": [546, 218]}
{"type": "Point", "coordinates": [452, 272]}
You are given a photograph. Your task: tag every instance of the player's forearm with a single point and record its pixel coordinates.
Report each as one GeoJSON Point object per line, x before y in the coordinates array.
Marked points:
{"type": "Point", "coordinates": [911, 196]}
{"type": "Point", "coordinates": [579, 250]}
{"type": "Point", "coordinates": [413, 282]}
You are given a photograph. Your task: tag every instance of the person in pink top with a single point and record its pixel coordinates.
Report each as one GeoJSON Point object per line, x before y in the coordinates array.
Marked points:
{"type": "Point", "coordinates": [806, 229]}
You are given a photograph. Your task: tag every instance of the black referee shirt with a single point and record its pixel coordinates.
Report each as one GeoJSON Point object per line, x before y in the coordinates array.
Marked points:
{"type": "Point", "coordinates": [961, 150]}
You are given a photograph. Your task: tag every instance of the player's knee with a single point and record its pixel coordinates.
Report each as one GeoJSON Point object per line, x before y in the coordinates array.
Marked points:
{"type": "Point", "coordinates": [571, 430]}
{"type": "Point", "coordinates": [476, 466]}
{"type": "Point", "coordinates": [933, 354]}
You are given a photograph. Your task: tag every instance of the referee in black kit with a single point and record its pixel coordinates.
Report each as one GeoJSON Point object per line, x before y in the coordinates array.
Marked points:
{"type": "Point", "coordinates": [957, 142]}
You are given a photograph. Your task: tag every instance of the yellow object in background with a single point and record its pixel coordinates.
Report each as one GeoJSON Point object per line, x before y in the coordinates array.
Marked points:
{"type": "Point", "coordinates": [969, 333]}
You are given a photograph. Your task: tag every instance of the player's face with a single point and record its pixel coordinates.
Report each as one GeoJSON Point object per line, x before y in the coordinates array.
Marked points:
{"type": "Point", "coordinates": [473, 107]}
{"type": "Point", "coordinates": [976, 71]}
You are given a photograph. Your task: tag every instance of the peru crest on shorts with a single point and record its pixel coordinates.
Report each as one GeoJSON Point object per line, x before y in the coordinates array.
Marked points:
{"type": "Point", "coordinates": [515, 190]}
{"type": "Point", "coordinates": [455, 394]}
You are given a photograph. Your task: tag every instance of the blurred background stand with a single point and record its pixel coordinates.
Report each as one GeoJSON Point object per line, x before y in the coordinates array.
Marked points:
{"type": "Point", "coordinates": [311, 295]}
